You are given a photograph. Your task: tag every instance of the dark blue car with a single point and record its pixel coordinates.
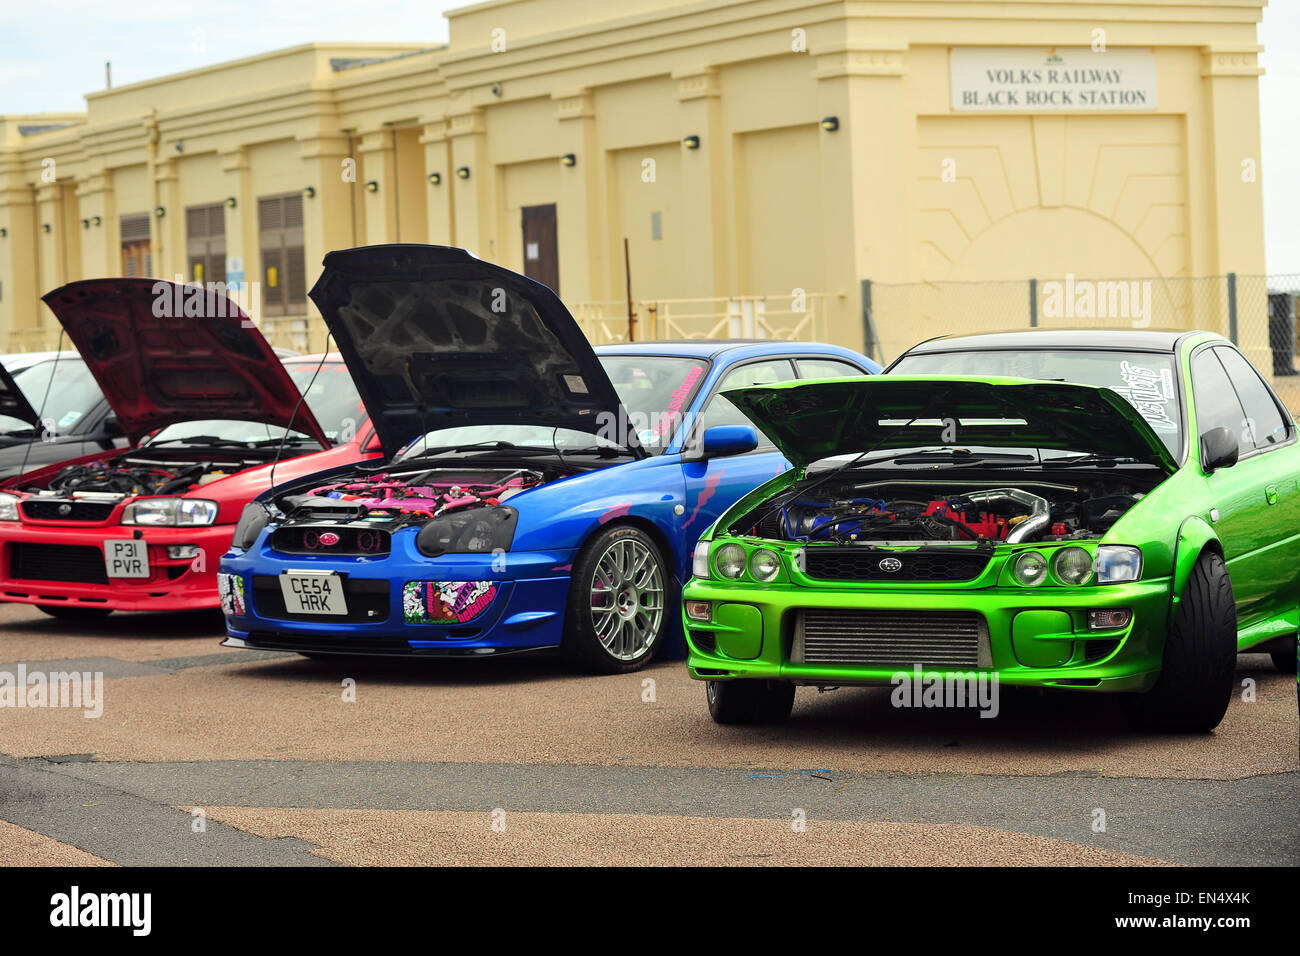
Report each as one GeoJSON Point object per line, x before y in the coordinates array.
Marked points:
{"type": "Point", "coordinates": [535, 492]}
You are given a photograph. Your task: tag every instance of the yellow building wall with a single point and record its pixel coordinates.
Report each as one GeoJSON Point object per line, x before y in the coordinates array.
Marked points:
{"type": "Point", "coordinates": [907, 193]}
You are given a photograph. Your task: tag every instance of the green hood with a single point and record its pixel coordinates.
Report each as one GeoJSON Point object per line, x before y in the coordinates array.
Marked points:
{"type": "Point", "coordinates": [809, 421]}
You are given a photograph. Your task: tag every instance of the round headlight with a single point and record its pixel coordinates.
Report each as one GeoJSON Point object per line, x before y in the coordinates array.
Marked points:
{"type": "Point", "coordinates": [1072, 565]}
{"type": "Point", "coordinates": [730, 561]}
{"type": "Point", "coordinates": [764, 565]}
{"type": "Point", "coordinates": [1030, 568]}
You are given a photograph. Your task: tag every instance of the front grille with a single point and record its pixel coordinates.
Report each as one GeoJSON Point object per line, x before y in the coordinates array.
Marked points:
{"type": "Point", "coordinates": [56, 562]}
{"type": "Point", "coordinates": [862, 564]}
{"type": "Point", "coordinates": [299, 539]}
{"type": "Point", "coordinates": [367, 602]}
{"type": "Point", "coordinates": [891, 638]}
{"type": "Point", "coordinates": [41, 509]}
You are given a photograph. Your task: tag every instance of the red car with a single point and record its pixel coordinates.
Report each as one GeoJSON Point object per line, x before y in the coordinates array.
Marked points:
{"type": "Point", "coordinates": [207, 407]}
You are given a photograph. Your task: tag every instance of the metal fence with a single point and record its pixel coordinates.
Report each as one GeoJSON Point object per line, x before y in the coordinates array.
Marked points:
{"type": "Point", "coordinates": [1257, 312]}
{"type": "Point", "coordinates": [797, 316]}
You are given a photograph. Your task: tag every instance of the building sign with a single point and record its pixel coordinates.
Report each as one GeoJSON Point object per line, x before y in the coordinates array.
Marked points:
{"type": "Point", "coordinates": [1036, 80]}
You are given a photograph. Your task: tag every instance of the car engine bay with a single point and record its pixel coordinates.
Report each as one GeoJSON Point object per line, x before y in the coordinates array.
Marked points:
{"type": "Point", "coordinates": [135, 475]}
{"type": "Point", "coordinates": [851, 510]}
{"type": "Point", "coordinates": [396, 499]}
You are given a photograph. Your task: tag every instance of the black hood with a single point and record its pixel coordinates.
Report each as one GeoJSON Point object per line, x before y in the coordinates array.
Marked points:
{"type": "Point", "coordinates": [435, 338]}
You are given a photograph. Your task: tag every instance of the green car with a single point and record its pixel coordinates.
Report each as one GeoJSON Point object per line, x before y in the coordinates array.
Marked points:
{"type": "Point", "coordinates": [1095, 511]}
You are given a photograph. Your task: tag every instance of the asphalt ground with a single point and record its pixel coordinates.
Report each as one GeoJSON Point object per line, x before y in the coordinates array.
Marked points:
{"type": "Point", "coordinates": [207, 755]}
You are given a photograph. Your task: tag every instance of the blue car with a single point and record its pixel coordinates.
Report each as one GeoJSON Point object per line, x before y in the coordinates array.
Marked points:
{"type": "Point", "coordinates": [535, 492]}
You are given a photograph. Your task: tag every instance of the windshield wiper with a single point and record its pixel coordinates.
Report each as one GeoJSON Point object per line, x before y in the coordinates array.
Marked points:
{"type": "Point", "coordinates": [203, 440]}
{"type": "Point", "coordinates": [945, 455]}
{"type": "Point", "coordinates": [288, 440]}
{"type": "Point", "coordinates": [1105, 461]}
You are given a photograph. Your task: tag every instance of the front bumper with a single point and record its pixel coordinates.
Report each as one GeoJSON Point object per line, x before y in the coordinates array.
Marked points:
{"type": "Point", "coordinates": [174, 584]}
{"type": "Point", "coordinates": [525, 611]}
{"type": "Point", "coordinates": [1052, 649]}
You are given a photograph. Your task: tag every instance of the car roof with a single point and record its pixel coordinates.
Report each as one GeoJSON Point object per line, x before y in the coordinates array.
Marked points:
{"type": "Point", "coordinates": [715, 348]}
{"type": "Point", "coordinates": [17, 361]}
{"type": "Point", "coordinates": [1138, 339]}
{"type": "Point", "coordinates": [331, 358]}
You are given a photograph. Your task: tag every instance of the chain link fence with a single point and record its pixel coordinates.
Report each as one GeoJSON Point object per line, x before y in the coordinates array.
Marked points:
{"type": "Point", "coordinates": [1256, 312]}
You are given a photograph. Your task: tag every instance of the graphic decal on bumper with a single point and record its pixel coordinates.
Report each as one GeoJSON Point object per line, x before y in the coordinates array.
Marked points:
{"type": "Point", "coordinates": [440, 602]}
{"type": "Point", "coordinates": [231, 588]}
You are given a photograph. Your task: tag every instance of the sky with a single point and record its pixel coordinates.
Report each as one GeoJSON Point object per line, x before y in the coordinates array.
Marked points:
{"type": "Point", "coordinates": [53, 52]}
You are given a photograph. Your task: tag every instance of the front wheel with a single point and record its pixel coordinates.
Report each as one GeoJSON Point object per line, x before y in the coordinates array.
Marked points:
{"type": "Point", "coordinates": [1195, 683]}
{"type": "Point", "coordinates": [1285, 661]}
{"type": "Point", "coordinates": [749, 701]}
{"type": "Point", "coordinates": [618, 602]}
{"type": "Point", "coordinates": [64, 613]}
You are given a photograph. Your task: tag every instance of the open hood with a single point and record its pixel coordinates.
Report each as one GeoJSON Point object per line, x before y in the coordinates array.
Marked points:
{"type": "Point", "coordinates": [164, 353]}
{"type": "Point", "coordinates": [14, 403]}
{"type": "Point", "coordinates": [816, 420]}
{"type": "Point", "coordinates": [436, 338]}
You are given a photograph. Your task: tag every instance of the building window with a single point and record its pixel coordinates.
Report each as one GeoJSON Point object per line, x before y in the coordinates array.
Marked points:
{"type": "Point", "coordinates": [205, 243]}
{"type": "Point", "coordinates": [284, 264]}
{"type": "Point", "coordinates": [137, 257]}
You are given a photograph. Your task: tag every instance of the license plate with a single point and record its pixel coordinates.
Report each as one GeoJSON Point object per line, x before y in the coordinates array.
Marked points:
{"type": "Point", "coordinates": [312, 592]}
{"type": "Point", "coordinates": [126, 558]}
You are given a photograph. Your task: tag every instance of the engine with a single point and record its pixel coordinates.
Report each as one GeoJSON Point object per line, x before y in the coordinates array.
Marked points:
{"type": "Point", "coordinates": [127, 477]}
{"type": "Point", "coordinates": [897, 513]}
{"type": "Point", "coordinates": [413, 498]}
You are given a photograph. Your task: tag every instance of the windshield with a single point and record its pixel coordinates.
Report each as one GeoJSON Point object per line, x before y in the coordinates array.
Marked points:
{"type": "Point", "coordinates": [332, 398]}
{"type": "Point", "coordinates": [1145, 379]}
{"type": "Point", "coordinates": [656, 390]}
{"type": "Point", "coordinates": [67, 389]}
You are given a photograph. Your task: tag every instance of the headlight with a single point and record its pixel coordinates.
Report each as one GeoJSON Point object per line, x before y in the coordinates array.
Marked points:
{"type": "Point", "coordinates": [252, 520]}
{"type": "Point", "coordinates": [764, 565]}
{"type": "Point", "coordinates": [472, 531]}
{"type": "Point", "coordinates": [8, 507]}
{"type": "Point", "coordinates": [1117, 563]}
{"type": "Point", "coordinates": [1072, 565]}
{"type": "Point", "coordinates": [700, 560]}
{"type": "Point", "coordinates": [172, 512]}
{"type": "Point", "coordinates": [730, 561]}
{"type": "Point", "coordinates": [1030, 568]}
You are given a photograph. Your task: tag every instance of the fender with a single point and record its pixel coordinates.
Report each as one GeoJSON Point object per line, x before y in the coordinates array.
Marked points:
{"type": "Point", "coordinates": [1194, 535]}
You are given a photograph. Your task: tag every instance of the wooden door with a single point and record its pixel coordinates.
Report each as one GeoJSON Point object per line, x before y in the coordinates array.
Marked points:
{"type": "Point", "coordinates": [541, 246]}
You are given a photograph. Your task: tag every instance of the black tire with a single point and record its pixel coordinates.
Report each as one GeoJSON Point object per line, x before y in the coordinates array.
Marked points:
{"type": "Point", "coordinates": [633, 625]}
{"type": "Point", "coordinates": [749, 701]}
{"type": "Point", "coordinates": [1200, 659]}
{"type": "Point", "coordinates": [1285, 661]}
{"type": "Point", "coordinates": [65, 613]}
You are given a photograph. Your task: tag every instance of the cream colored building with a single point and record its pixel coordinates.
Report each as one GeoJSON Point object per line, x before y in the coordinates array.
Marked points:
{"type": "Point", "coordinates": [761, 158]}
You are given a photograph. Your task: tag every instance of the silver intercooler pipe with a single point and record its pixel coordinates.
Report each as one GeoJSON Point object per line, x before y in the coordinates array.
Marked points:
{"type": "Point", "coordinates": [1040, 512]}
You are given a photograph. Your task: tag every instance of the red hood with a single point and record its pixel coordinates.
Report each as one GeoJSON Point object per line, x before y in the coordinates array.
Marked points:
{"type": "Point", "coordinates": [165, 353]}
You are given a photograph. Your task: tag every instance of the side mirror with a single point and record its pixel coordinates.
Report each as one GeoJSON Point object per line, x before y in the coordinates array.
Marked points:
{"type": "Point", "coordinates": [723, 440]}
{"type": "Point", "coordinates": [1218, 449]}
{"type": "Point", "coordinates": [109, 431]}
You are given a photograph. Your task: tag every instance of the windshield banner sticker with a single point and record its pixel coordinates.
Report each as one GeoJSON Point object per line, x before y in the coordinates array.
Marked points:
{"type": "Point", "coordinates": [1151, 392]}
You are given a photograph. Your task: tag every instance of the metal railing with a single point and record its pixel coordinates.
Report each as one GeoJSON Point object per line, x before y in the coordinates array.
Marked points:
{"type": "Point", "coordinates": [1257, 312]}
{"type": "Point", "coordinates": [798, 316]}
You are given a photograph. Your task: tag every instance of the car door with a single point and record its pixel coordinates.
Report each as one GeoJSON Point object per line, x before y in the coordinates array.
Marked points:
{"type": "Point", "coordinates": [1273, 462]}
{"type": "Point", "coordinates": [1255, 502]}
{"type": "Point", "coordinates": [713, 485]}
